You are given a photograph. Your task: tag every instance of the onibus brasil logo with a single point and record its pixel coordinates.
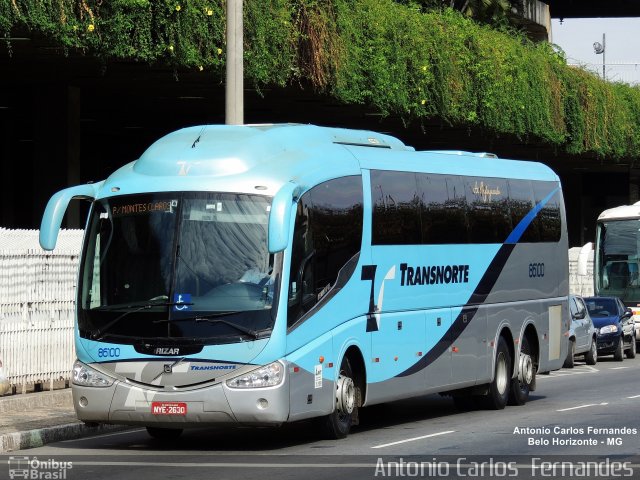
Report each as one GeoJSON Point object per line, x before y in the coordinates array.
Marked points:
{"type": "Point", "coordinates": [32, 468]}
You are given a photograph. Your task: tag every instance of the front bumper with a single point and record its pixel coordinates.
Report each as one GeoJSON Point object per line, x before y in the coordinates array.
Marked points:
{"type": "Point", "coordinates": [130, 404]}
{"type": "Point", "coordinates": [608, 343]}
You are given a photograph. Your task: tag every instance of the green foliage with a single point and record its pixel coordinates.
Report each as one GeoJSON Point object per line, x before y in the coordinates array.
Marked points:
{"type": "Point", "coordinates": [401, 57]}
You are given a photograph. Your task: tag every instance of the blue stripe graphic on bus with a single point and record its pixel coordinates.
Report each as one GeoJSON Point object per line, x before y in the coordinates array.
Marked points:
{"type": "Point", "coordinates": [517, 232]}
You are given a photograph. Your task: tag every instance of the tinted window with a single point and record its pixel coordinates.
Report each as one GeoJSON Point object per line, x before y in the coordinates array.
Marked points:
{"type": "Point", "coordinates": [521, 203]}
{"type": "Point", "coordinates": [396, 208]}
{"type": "Point", "coordinates": [443, 210]}
{"type": "Point", "coordinates": [411, 209]}
{"type": "Point", "coordinates": [327, 235]}
{"type": "Point", "coordinates": [488, 214]}
{"type": "Point", "coordinates": [548, 220]}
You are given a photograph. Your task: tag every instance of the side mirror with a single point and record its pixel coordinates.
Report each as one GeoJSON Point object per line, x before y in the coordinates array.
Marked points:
{"type": "Point", "coordinates": [280, 216]}
{"type": "Point", "coordinates": [580, 315]}
{"type": "Point", "coordinates": [57, 206]}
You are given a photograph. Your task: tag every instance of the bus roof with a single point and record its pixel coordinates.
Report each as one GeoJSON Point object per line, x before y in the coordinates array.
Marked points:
{"type": "Point", "coordinates": [260, 159]}
{"type": "Point", "coordinates": [624, 211]}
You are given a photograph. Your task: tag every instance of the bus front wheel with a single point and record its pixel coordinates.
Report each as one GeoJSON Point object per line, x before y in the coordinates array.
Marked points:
{"type": "Point", "coordinates": [338, 423]}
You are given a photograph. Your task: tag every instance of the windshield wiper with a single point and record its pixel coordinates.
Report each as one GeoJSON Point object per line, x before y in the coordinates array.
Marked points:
{"type": "Point", "coordinates": [212, 318]}
{"type": "Point", "coordinates": [133, 309]}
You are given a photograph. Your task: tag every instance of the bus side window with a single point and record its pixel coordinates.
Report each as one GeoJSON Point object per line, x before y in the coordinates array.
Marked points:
{"type": "Point", "coordinates": [488, 210]}
{"type": "Point", "coordinates": [521, 203]}
{"type": "Point", "coordinates": [327, 234]}
{"type": "Point", "coordinates": [396, 208]}
{"type": "Point", "coordinates": [301, 272]}
{"type": "Point", "coordinates": [437, 227]}
{"type": "Point", "coordinates": [548, 220]}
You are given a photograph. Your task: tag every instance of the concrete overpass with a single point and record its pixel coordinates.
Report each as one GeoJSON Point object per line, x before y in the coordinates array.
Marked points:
{"type": "Point", "coordinates": [593, 8]}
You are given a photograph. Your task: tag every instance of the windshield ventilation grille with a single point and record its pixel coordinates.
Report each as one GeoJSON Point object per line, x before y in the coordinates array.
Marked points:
{"type": "Point", "coordinates": [159, 387]}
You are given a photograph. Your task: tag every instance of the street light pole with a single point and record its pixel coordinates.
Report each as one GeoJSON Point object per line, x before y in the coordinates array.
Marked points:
{"type": "Point", "coordinates": [604, 54]}
{"type": "Point", "coordinates": [234, 101]}
{"type": "Point", "coordinates": [600, 49]}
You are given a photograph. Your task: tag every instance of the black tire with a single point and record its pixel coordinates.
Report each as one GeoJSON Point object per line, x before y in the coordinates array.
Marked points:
{"type": "Point", "coordinates": [631, 351]}
{"type": "Point", "coordinates": [337, 424]}
{"type": "Point", "coordinates": [520, 390]}
{"type": "Point", "coordinates": [164, 434]}
{"type": "Point", "coordinates": [591, 357]}
{"type": "Point", "coordinates": [499, 386]}
{"type": "Point", "coordinates": [618, 355]}
{"type": "Point", "coordinates": [570, 361]}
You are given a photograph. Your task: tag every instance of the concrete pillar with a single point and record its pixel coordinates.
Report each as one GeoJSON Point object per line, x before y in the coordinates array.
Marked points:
{"type": "Point", "coordinates": [234, 64]}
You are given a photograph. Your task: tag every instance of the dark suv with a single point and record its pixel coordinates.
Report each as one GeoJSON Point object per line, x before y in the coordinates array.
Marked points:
{"type": "Point", "coordinates": [614, 325]}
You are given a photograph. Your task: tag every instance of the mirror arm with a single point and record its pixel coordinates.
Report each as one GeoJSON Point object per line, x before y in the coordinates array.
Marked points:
{"type": "Point", "coordinates": [56, 208]}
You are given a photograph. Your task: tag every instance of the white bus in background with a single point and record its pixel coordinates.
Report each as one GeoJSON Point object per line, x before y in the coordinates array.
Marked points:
{"type": "Point", "coordinates": [617, 257]}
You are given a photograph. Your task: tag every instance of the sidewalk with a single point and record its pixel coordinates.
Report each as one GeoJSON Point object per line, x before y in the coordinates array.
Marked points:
{"type": "Point", "coordinates": [34, 419]}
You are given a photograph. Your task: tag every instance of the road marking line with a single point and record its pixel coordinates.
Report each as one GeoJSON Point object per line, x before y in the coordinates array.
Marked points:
{"type": "Point", "coordinates": [617, 368]}
{"type": "Point", "coordinates": [557, 375]}
{"type": "Point", "coordinates": [635, 396]}
{"type": "Point", "coordinates": [414, 439]}
{"type": "Point", "coordinates": [578, 370]}
{"type": "Point", "coordinates": [582, 406]}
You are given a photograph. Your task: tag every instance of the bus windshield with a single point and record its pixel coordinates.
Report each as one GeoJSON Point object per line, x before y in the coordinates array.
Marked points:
{"type": "Point", "coordinates": [617, 255]}
{"type": "Point", "coordinates": [190, 267]}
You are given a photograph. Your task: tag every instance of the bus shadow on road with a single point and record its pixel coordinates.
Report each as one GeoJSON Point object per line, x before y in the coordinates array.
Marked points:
{"type": "Point", "coordinates": [238, 439]}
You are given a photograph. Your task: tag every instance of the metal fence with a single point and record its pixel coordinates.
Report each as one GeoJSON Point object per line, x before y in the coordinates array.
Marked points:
{"type": "Point", "coordinates": [580, 284]}
{"type": "Point", "coordinates": [37, 301]}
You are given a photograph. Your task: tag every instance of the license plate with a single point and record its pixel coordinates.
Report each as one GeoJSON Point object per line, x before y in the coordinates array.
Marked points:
{"type": "Point", "coordinates": [168, 408]}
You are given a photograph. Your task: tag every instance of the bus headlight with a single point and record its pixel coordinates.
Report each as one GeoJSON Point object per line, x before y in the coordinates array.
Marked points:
{"type": "Point", "coordinates": [88, 377]}
{"type": "Point", "coordinates": [608, 329]}
{"type": "Point", "coordinates": [267, 376]}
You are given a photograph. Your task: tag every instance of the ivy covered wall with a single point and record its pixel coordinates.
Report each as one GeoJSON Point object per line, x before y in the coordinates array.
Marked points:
{"type": "Point", "coordinates": [391, 56]}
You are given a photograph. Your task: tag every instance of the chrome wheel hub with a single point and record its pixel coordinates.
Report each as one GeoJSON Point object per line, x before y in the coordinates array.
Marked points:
{"type": "Point", "coordinates": [525, 370]}
{"type": "Point", "coordinates": [345, 395]}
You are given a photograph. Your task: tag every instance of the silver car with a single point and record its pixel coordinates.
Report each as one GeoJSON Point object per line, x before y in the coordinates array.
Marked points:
{"type": "Point", "coordinates": [582, 334]}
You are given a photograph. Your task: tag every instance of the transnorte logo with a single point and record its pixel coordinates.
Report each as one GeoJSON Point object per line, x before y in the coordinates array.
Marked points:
{"type": "Point", "coordinates": [433, 274]}
{"type": "Point", "coordinates": [212, 367]}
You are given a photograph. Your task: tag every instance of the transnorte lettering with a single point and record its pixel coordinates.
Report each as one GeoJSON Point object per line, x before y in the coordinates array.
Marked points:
{"type": "Point", "coordinates": [433, 274]}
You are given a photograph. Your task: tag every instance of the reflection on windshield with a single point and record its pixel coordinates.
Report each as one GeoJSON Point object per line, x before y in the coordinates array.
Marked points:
{"type": "Point", "coordinates": [617, 261]}
{"type": "Point", "coordinates": [200, 252]}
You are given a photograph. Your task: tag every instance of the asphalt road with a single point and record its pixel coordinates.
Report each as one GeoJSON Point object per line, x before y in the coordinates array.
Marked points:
{"type": "Point", "coordinates": [421, 437]}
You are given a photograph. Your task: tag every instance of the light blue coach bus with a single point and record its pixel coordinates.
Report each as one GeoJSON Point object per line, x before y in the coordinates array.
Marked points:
{"type": "Point", "coordinates": [264, 274]}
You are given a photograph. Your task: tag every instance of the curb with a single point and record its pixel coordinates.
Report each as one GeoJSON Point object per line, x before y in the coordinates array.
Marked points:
{"type": "Point", "coordinates": [42, 436]}
{"type": "Point", "coordinates": [32, 401]}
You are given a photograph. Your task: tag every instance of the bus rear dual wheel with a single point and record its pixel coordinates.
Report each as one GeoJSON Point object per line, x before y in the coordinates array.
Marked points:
{"type": "Point", "coordinates": [504, 389]}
